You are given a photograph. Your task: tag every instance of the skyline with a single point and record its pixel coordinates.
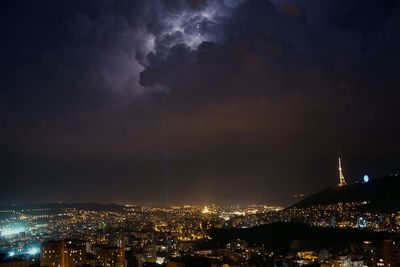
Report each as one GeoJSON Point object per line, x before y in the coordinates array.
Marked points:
{"type": "Point", "coordinates": [289, 201]}
{"type": "Point", "coordinates": [195, 101]}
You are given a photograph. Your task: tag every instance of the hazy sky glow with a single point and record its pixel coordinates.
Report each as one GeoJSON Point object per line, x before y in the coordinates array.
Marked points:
{"type": "Point", "coordinates": [195, 101]}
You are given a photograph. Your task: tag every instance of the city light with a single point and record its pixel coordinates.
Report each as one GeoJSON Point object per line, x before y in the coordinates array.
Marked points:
{"type": "Point", "coordinates": [160, 260]}
{"type": "Point", "coordinates": [33, 251]}
{"type": "Point", "coordinates": [361, 222]}
{"type": "Point", "coordinates": [205, 210]}
{"type": "Point", "coordinates": [174, 133]}
{"type": "Point", "coordinates": [11, 231]}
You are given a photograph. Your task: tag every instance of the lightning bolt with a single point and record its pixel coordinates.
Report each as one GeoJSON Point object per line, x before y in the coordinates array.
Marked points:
{"type": "Point", "coordinates": [183, 18]}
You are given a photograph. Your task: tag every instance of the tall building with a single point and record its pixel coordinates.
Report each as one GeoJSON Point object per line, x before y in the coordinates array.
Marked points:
{"type": "Point", "coordinates": [75, 253]}
{"type": "Point", "coordinates": [390, 253]}
{"type": "Point", "coordinates": [112, 257]}
{"type": "Point", "coordinates": [342, 181]}
{"type": "Point", "coordinates": [52, 254]}
{"type": "Point", "coordinates": [150, 252]}
{"type": "Point", "coordinates": [64, 253]}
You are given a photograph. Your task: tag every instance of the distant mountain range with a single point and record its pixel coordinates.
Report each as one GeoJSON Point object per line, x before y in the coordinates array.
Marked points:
{"type": "Point", "coordinates": [61, 206]}
{"type": "Point", "coordinates": [382, 194]}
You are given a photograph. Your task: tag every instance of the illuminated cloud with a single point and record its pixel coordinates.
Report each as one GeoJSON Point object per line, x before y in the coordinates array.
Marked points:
{"type": "Point", "coordinates": [202, 95]}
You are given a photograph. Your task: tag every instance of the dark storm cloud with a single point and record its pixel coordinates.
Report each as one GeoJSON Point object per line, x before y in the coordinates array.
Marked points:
{"type": "Point", "coordinates": [112, 100]}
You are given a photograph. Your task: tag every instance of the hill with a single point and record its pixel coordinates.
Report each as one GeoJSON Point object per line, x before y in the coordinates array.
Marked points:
{"type": "Point", "coordinates": [381, 194]}
{"type": "Point", "coordinates": [280, 235]}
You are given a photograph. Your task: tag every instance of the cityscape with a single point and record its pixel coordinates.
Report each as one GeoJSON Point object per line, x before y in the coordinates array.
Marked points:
{"type": "Point", "coordinates": [92, 234]}
{"type": "Point", "coordinates": [185, 133]}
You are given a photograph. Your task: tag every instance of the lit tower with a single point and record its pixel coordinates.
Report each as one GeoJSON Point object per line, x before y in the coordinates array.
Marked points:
{"type": "Point", "coordinates": [342, 181]}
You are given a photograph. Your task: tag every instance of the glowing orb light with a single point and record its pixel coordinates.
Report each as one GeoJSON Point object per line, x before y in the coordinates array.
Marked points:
{"type": "Point", "coordinates": [366, 179]}
{"type": "Point", "coordinates": [11, 254]}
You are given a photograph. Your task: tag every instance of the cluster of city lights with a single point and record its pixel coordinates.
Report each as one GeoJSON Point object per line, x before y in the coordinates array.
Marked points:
{"type": "Point", "coordinates": [32, 251]}
{"type": "Point", "coordinates": [11, 231]}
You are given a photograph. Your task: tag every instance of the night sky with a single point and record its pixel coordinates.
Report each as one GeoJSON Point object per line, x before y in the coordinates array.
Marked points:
{"type": "Point", "coordinates": [167, 102]}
